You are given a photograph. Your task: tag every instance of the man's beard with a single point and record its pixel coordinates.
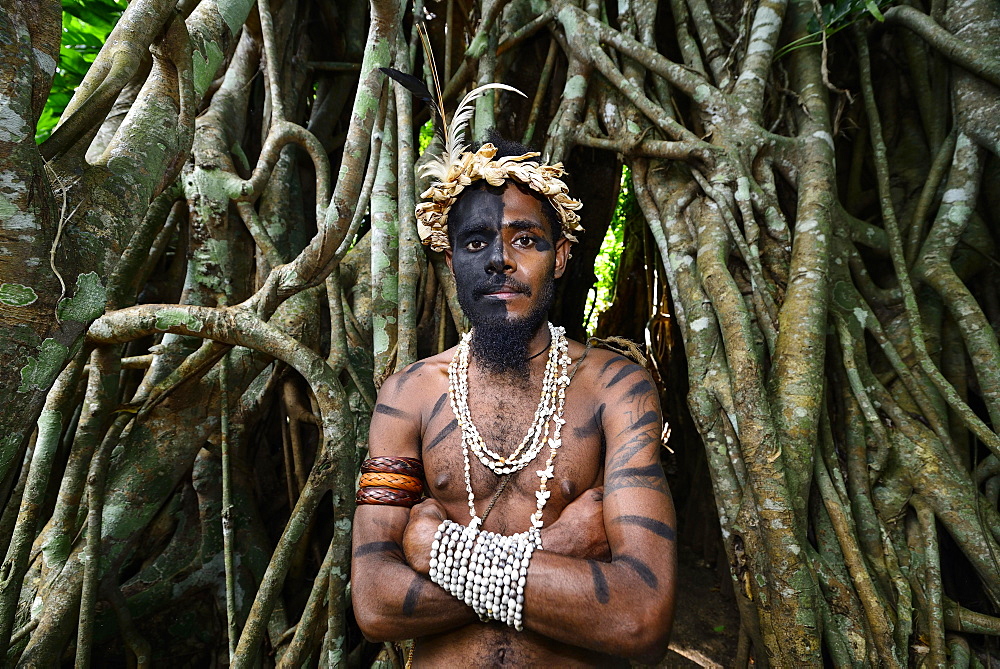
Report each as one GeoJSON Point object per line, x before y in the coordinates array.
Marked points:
{"type": "Point", "coordinates": [498, 343]}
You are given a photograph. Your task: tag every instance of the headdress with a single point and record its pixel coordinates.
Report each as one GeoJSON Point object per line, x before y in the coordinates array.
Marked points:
{"type": "Point", "coordinates": [468, 167]}
{"type": "Point", "coordinates": [457, 167]}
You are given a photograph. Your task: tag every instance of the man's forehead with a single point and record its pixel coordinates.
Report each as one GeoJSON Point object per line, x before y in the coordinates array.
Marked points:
{"type": "Point", "coordinates": [487, 207]}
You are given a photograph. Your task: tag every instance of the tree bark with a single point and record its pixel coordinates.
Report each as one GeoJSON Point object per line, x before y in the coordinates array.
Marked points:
{"type": "Point", "coordinates": [809, 231]}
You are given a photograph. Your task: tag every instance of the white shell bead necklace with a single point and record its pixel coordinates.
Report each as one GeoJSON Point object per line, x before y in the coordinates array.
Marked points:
{"type": "Point", "coordinates": [550, 409]}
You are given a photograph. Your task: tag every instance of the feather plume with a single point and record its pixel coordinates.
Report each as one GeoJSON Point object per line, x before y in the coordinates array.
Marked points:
{"type": "Point", "coordinates": [429, 54]}
{"type": "Point", "coordinates": [454, 132]}
{"type": "Point", "coordinates": [454, 135]}
{"type": "Point", "coordinates": [414, 85]}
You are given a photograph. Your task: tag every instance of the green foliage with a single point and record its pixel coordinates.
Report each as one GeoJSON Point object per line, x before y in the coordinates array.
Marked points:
{"type": "Point", "coordinates": [426, 136]}
{"type": "Point", "coordinates": [602, 294]}
{"type": "Point", "coordinates": [842, 13]}
{"type": "Point", "coordinates": [834, 17]}
{"type": "Point", "coordinates": [85, 28]}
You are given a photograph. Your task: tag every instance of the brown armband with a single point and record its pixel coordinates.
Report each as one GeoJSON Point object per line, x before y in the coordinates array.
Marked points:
{"type": "Point", "coordinates": [390, 465]}
{"type": "Point", "coordinates": [386, 496]}
{"type": "Point", "coordinates": [397, 481]}
{"type": "Point", "coordinates": [391, 481]}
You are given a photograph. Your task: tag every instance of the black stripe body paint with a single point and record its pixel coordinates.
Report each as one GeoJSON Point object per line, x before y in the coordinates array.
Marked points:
{"type": "Point", "coordinates": [445, 431]}
{"type": "Point", "coordinates": [639, 567]}
{"type": "Point", "coordinates": [378, 547]}
{"type": "Point", "coordinates": [601, 591]}
{"type": "Point", "coordinates": [412, 596]}
{"type": "Point", "coordinates": [387, 410]}
{"type": "Point", "coordinates": [658, 528]}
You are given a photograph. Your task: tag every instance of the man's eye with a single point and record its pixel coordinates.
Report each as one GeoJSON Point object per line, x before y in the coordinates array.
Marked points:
{"type": "Point", "coordinates": [475, 245]}
{"type": "Point", "coordinates": [526, 242]}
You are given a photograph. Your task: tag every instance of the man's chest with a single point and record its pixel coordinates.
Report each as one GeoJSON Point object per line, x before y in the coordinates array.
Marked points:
{"type": "Point", "coordinates": [508, 428]}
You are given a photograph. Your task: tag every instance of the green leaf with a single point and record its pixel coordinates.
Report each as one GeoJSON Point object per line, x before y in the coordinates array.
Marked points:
{"type": "Point", "coordinates": [86, 25]}
{"type": "Point", "coordinates": [102, 14]}
{"type": "Point", "coordinates": [873, 8]}
{"type": "Point", "coordinates": [606, 262]}
{"type": "Point", "coordinates": [17, 295]}
{"type": "Point", "coordinates": [40, 372]}
{"type": "Point", "coordinates": [46, 124]}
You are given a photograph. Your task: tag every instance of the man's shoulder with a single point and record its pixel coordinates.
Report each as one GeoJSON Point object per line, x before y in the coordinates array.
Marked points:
{"type": "Point", "coordinates": [603, 369]}
{"type": "Point", "coordinates": [414, 380]}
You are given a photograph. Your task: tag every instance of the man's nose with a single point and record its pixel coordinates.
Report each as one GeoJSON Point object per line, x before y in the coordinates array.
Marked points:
{"type": "Point", "coordinates": [501, 260]}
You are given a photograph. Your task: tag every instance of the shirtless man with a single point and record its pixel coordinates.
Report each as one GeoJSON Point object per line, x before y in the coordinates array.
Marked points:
{"type": "Point", "coordinates": [601, 587]}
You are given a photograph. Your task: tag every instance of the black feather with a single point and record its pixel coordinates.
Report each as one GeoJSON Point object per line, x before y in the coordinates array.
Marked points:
{"type": "Point", "coordinates": [412, 84]}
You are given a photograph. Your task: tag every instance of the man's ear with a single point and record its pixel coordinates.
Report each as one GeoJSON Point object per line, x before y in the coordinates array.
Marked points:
{"type": "Point", "coordinates": [447, 259]}
{"type": "Point", "coordinates": [562, 256]}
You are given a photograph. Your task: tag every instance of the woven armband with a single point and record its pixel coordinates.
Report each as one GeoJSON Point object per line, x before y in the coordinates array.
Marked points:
{"type": "Point", "coordinates": [391, 481]}
{"type": "Point", "coordinates": [396, 481]}
{"type": "Point", "coordinates": [390, 465]}
{"type": "Point", "coordinates": [386, 496]}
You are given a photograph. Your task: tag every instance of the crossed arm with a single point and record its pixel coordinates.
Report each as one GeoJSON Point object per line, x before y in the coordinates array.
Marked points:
{"type": "Point", "coordinates": [623, 607]}
{"type": "Point", "coordinates": [391, 600]}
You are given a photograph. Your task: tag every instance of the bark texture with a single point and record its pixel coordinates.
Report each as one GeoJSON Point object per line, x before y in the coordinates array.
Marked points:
{"type": "Point", "coordinates": [200, 297]}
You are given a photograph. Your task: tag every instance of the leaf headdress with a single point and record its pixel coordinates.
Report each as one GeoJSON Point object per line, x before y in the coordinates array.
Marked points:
{"type": "Point", "coordinates": [457, 167]}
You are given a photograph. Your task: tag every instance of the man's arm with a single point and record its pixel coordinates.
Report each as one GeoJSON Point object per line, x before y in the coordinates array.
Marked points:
{"type": "Point", "coordinates": [623, 607]}
{"type": "Point", "coordinates": [392, 601]}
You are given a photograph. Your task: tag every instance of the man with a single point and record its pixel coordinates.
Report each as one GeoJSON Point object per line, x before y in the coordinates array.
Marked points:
{"type": "Point", "coordinates": [600, 587]}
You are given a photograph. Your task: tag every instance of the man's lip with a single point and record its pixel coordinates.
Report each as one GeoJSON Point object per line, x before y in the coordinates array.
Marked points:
{"type": "Point", "coordinates": [504, 294]}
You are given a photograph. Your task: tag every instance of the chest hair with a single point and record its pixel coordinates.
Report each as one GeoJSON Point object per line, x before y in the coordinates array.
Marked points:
{"type": "Point", "coordinates": [504, 411]}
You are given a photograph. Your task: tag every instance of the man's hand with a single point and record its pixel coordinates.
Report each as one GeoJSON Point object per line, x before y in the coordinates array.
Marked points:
{"type": "Point", "coordinates": [419, 534]}
{"type": "Point", "coordinates": [579, 531]}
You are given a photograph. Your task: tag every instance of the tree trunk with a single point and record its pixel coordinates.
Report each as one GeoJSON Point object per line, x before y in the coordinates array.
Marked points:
{"type": "Point", "coordinates": [200, 298]}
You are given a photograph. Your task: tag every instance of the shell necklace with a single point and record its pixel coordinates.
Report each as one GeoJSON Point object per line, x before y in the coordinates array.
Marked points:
{"type": "Point", "coordinates": [550, 410]}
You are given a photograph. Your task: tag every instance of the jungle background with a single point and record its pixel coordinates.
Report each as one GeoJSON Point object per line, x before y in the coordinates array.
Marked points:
{"type": "Point", "coordinates": [208, 264]}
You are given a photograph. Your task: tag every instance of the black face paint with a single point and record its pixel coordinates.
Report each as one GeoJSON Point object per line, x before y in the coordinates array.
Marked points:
{"type": "Point", "coordinates": [502, 346]}
{"type": "Point", "coordinates": [499, 342]}
{"type": "Point", "coordinates": [543, 244]}
{"type": "Point", "coordinates": [477, 218]}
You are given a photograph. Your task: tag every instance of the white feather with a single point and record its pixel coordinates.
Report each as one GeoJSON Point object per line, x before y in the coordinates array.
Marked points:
{"type": "Point", "coordinates": [455, 132]}
{"type": "Point", "coordinates": [455, 146]}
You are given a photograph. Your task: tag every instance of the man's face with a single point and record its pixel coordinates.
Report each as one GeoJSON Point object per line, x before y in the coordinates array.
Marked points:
{"type": "Point", "coordinates": [505, 261]}
{"type": "Point", "coordinates": [504, 255]}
